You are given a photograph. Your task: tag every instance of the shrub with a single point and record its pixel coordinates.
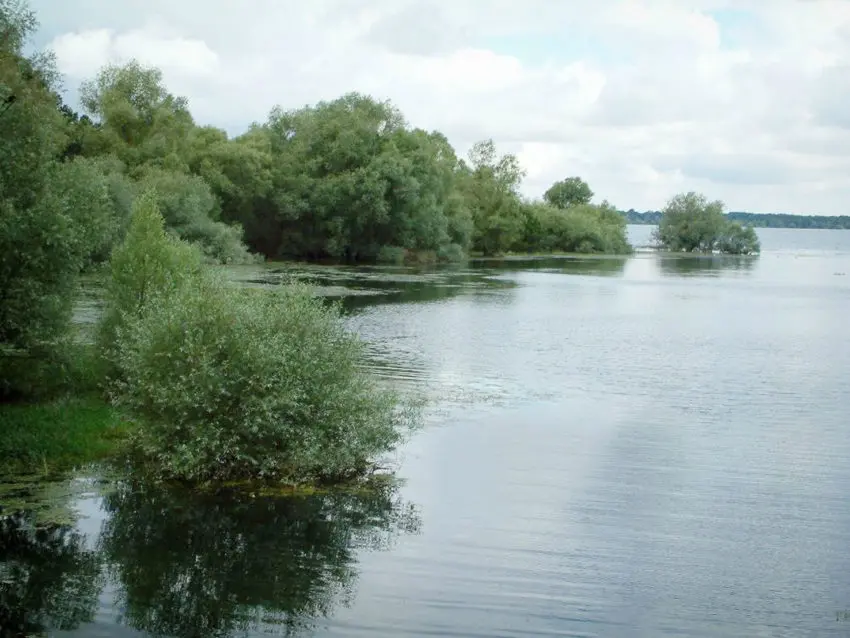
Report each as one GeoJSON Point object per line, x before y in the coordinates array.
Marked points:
{"type": "Point", "coordinates": [451, 253]}
{"type": "Point", "coordinates": [738, 240]}
{"type": "Point", "coordinates": [391, 255]}
{"type": "Point", "coordinates": [234, 383]}
{"type": "Point", "coordinates": [149, 264]}
{"type": "Point", "coordinates": [190, 209]}
{"type": "Point", "coordinates": [691, 223]}
{"type": "Point", "coordinates": [582, 228]}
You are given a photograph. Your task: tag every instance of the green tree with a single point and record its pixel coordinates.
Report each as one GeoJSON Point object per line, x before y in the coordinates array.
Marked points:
{"type": "Point", "coordinates": [45, 236]}
{"type": "Point", "coordinates": [150, 264]}
{"type": "Point", "coordinates": [491, 188]}
{"type": "Point", "coordinates": [350, 180]}
{"type": "Point", "coordinates": [692, 223]}
{"type": "Point", "coordinates": [140, 120]}
{"type": "Point", "coordinates": [572, 191]}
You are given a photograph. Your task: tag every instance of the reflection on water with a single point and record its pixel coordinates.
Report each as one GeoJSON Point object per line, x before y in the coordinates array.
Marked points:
{"type": "Point", "coordinates": [568, 265]}
{"type": "Point", "coordinates": [172, 562]}
{"type": "Point", "coordinates": [49, 579]}
{"type": "Point", "coordinates": [706, 265]}
{"type": "Point", "coordinates": [219, 564]}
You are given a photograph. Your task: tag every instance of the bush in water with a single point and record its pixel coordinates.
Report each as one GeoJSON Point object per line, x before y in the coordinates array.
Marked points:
{"type": "Point", "coordinates": [234, 383]}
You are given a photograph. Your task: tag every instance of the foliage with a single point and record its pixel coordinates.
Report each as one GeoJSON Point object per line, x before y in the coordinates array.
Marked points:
{"type": "Point", "coordinates": [241, 383]}
{"type": "Point", "coordinates": [141, 121]}
{"type": "Point", "coordinates": [190, 210]}
{"type": "Point", "coordinates": [148, 265]}
{"type": "Point", "coordinates": [691, 223]}
{"type": "Point", "coordinates": [579, 229]}
{"type": "Point", "coordinates": [44, 238]}
{"type": "Point", "coordinates": [57, 435]}
{"type": "Point", "coordinates": [50, 371]}
{"type": "Point", "coordinates": [349, 178]}
{"type": "Point", "coordinates": [738, 240]}
{"type": "Point", "coordinates": [230, 382]}
{"type": "Point", "coordinates": [490, 186]}
{"type": "Point", "coordinates": [572, 191]}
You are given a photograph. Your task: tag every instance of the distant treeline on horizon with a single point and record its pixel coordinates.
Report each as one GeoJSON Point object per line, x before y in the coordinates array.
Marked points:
{"type": "Point", "coordinates": [758, 220]}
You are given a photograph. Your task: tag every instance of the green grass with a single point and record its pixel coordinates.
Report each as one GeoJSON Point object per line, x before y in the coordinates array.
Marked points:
{"type": "Point", "coordinates": [57, 436]}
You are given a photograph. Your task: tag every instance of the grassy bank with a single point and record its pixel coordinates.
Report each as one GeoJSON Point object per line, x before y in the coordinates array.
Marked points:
{"type": "Point", "coordinates": [56, 436]}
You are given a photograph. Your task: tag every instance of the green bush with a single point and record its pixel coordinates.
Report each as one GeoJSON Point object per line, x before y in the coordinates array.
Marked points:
{"type": "Point", "coordinates": [738, 240]}
{"type": "Point", "coordinates": [231, 383]}
{"type": "Point", "coordinates": [235, 383]}
{"type": "Point", "coordinates": [191, 210]}
{"type": "Point", "coordinates": [691, 223]}
{"type": "Point", "coordinates": [391, 255]}
{"type": "Point", "coordinates": [451, 253]}
{"type": "Point", "coordinates": [149, 264]}
{"type": "Point", "coordinates": [583, 228]}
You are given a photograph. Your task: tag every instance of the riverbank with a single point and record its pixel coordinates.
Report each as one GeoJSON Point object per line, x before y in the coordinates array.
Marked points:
{"type": "Point", "coordinates": [58, 435]}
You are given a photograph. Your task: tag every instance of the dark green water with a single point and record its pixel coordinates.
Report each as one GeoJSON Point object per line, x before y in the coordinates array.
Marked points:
{"type": "Point", "coordinates": [652, 446]}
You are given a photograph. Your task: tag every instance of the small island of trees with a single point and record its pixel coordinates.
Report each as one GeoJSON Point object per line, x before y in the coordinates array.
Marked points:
{"type": "Point", "coordinates": [691, 223]}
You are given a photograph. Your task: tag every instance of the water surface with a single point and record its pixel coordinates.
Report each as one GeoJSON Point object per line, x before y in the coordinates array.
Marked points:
{"type": "Point", "coordinates": [644, 446]}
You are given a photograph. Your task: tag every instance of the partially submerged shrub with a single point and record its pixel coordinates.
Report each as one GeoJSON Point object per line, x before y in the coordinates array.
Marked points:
{"type": "Point", "coordinates": [232, 383]}
{"type": "Point", "coordinates": [235, 383]}
{"type": "Point", "coordinates": [581, 228]}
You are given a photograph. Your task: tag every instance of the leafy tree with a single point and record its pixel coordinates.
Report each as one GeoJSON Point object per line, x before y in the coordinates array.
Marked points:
{"type": "Point", "coordinates": [572, 191]}
{"type": "Point", "coordinates": [45, 236]}
{"type": "Point", "coordinates": [691, 223]}
{"type": "Point", "coordinates": [349, 178]}
{"type": "Point", "coordinates": [149, 264]}
{"type": "Point", "coordinates": [141, 121]}
{"type": "Point", "coordinates": [579, 229]}
{"type": "Point", "coordinates": [491, 186]}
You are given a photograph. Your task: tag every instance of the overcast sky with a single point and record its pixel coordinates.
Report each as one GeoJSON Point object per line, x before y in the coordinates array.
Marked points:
{"type": "Point", "coordinates": [747, 101]}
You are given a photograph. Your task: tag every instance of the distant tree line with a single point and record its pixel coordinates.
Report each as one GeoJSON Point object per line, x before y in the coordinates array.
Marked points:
{"type": "Point", "coordinates": [757, 220]}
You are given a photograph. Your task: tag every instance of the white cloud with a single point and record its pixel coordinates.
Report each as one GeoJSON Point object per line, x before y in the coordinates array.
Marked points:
{"type": "Point", "coordinates": [741, 99]}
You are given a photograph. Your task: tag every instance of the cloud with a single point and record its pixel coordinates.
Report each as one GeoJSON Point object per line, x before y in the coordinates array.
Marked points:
{"type": "Point", "coordinates": [743, 100]}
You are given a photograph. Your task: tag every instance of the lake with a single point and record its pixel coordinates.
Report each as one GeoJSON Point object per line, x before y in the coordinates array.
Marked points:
{"type": "Point", "coordinates": [650, 446]}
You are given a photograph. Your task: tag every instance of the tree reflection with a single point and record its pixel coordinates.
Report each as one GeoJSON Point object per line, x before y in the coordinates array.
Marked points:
{"type": "Point", "coordinates": [705, 265]}
{"type": "Point", "coordinates": [48, 579]}
{"type": "Point", "coordinates": [596, 265]}
{"type": "Point", "coordinates": [217, 564]}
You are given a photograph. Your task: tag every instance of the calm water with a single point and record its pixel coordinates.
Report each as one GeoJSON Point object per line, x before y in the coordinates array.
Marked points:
{"type": "Point", "coordinates": [653, 446]}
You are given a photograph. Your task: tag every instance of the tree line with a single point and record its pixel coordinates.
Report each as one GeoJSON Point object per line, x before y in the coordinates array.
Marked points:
{"type": "Point", "coordinates": [757, 220]}
{"type": "Point", "coordinates": [348, 179]}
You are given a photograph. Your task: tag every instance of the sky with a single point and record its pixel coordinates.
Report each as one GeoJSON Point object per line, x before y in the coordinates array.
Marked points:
{"type": "Point", "coordinates": [745, 101]}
